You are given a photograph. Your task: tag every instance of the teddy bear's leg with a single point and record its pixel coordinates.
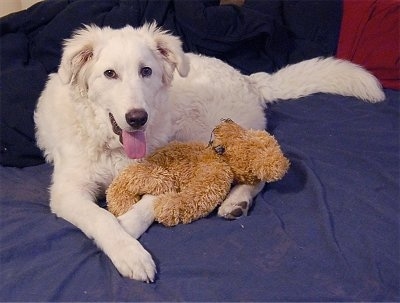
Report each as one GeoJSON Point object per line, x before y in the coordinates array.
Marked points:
{"type": "Point", "coordinates": [146, 178]}
{"type": "Point", "coordinates": [174, 208]}
{"type": "Point", "coordinates": [135, 181]}
{"type": "Point", "coordinates": [239, 200]}
{"type": "Point", "coordinates": [120, 199]}
{"type": "Point", "coordinates": [204, 193]}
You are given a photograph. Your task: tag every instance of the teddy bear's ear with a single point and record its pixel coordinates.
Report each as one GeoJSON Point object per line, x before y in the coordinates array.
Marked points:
{"type": "Point", "coordinates": [228, 129]}
{"type": "Point", "coordinates": [270, 164]}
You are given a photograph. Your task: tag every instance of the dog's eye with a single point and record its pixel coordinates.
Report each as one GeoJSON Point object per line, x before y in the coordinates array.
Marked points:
{"type": "Point", "coordinates": [110, 74]}
{"type": "Point", "coordinates": [146, 72]}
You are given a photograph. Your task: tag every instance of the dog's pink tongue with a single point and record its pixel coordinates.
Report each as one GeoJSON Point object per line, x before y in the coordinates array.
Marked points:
{"type": "Point", "coordinates": [134, 144]}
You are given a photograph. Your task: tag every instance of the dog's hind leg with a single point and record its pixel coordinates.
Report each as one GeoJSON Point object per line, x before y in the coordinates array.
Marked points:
{"type": "Point", "coordinates": [239, 200]}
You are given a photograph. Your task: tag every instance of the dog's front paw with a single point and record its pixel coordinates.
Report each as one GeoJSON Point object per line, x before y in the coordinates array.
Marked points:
{"type": "Point", "coordinates": [234, 210]}
{"type": "Point", "coordinates": [133, 261]}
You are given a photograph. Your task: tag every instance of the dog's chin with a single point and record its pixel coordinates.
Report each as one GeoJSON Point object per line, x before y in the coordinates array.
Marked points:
{"type": "Point", "coordinates": [132, 141]}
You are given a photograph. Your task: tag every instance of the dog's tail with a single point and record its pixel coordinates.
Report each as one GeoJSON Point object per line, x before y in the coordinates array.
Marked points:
{"type": "Point", "coordinates": [319, 75]}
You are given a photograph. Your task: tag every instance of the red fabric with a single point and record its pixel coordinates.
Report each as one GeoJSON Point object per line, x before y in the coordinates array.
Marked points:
{"type": "Point", "coordinates": [370, 36]}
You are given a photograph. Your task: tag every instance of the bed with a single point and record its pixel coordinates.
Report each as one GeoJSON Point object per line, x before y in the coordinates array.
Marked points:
{"type": "Point", "coordinates": [328, 231]}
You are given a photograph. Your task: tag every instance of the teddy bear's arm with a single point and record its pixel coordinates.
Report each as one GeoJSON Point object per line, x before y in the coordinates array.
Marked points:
{"type": "Point", "coordinates": [135, 181]}
{"type": "Point", "coordinates": [197, 199]}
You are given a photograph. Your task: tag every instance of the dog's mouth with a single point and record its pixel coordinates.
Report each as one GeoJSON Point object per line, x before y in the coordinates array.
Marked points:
{"type": "Point", "coordinates": [134, 142]}
{"type": "Point", "coordinates": [116, 129]}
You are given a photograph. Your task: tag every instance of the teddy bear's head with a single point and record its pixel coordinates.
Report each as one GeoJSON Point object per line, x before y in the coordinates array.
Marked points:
{"type": "Point", "coordinates": [253, 155]}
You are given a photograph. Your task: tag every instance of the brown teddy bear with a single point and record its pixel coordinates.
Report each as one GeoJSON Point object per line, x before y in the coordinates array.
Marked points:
{"type": "Point", "coordinates": [191, 179]}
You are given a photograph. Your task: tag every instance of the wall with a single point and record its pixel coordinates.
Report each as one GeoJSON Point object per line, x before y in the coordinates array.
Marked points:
{"type": "Point", "coordinates": [10, 6]}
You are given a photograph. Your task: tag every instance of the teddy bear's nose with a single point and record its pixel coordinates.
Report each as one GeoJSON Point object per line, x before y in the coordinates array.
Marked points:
{"type": "Point", "coordinates": [136, 118]}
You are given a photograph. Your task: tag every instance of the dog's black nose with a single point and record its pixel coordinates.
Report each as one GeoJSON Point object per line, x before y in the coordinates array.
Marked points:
{"type": "Point", "coordinates": [136, 118]}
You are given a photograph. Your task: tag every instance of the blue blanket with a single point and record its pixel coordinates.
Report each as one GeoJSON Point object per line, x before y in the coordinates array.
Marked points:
{"type": "Point", "coordinates": [328, 231]}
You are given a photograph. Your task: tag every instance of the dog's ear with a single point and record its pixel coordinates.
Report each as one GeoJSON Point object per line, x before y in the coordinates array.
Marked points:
{"type": "Point", "coordinates": [169, 48]}
{"type": "Point", "coordinates": [77, 53]}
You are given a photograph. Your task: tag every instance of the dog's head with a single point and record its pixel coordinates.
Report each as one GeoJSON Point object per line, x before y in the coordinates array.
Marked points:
{"type": "Point", "coordinates": [126, 73]}
{"type": "Point", "coordinates": [253, 155]}
{"type": "Point", "coordinates": [79, 51]}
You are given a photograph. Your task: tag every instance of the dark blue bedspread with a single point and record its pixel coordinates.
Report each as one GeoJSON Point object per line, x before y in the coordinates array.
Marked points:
{"type": "Point", "coordinates": [329, 231]}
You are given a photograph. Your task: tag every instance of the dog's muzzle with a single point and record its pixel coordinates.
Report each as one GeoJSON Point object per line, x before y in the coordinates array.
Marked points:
{"type": "Point", "coordinates": [133, 142]}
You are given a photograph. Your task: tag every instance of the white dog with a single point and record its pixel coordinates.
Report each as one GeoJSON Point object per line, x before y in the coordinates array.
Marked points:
{"type": "Point", "coordinates": [119, 94]}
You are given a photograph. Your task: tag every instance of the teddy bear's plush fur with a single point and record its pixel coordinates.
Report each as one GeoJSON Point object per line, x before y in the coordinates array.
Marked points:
{"type": "Point", "coordinates": [192, 179]}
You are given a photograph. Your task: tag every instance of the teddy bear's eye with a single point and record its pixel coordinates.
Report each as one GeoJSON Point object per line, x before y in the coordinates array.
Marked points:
{"type": "Point", "coordinates": [219, 149]}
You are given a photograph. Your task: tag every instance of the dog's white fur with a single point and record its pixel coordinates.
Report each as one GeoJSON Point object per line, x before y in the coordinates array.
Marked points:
{"type": "Point", "coordinates": [75, 133]}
